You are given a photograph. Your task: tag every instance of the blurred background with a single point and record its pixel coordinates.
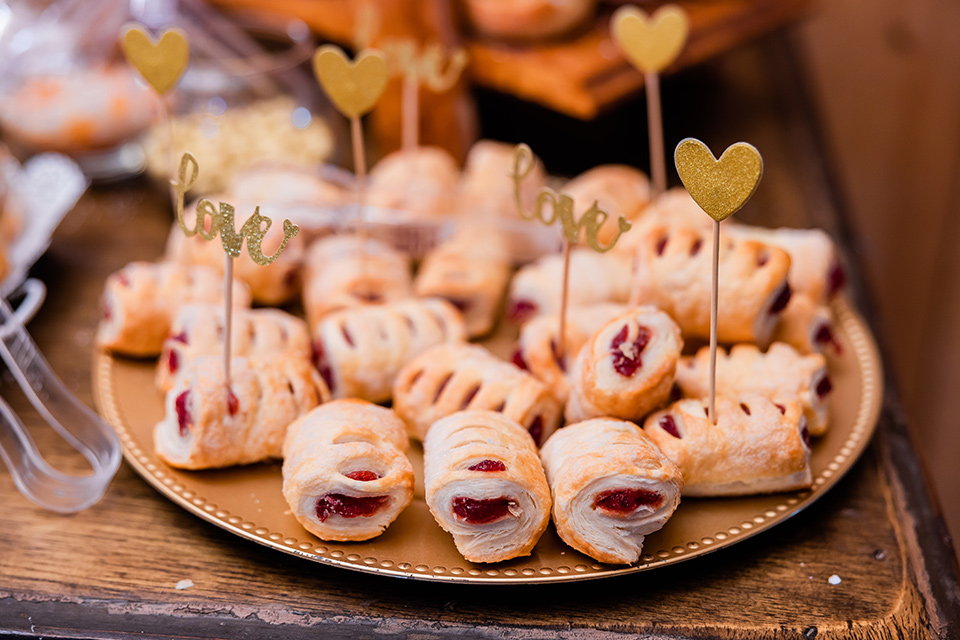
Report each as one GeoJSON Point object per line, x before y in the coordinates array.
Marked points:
{"type": "Point", "coordinates": [878, 79]}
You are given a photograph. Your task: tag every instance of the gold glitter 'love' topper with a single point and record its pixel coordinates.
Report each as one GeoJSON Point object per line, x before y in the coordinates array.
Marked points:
{"type": "Point", "coordinates": [650, 43]}
{"type": "Point", "coordinates": [426, 65]}
{"type": "Point", "coordinates": [353, 86]}
{"type": "Point", "coordinates": [562, 208]}
{"type": "Point", "coordinates": [721, 187]}
{"type": "Point", "coordinates": [161, 63]}
{"type": "Point", "coordinates": [222, 220]}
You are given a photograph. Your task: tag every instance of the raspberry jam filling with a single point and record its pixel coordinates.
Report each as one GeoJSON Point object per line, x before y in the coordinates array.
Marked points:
{"type": "Point", "coordinates": [184, 418]}
{"type": "Point", "coordinates": [518, 359]}
{"type": "Point", "coordinates": [482, 511]}
{"type": "Point", "coordinates": [123, 279]}
{"type": "Point", "coordinates": [461, 305]}
{"type": "Point", "coordinates": [488, 465]}
{"type": "Point", "coordinates": [233, 404]}
{"type": "Point", "coordinates": [668, 424]}
{"type": "Point", "coordinates": [106, 311]}
{"type": "Point", "coordinates": [363, 475]}
{"type": "Point", "coordinates": [824, 335]}
{"type": "Point", "coordinates": [321, 364]}
{"type": "Point", "coordinates": [349, 506]}
{"type": "Point", "coordinates": [180, 337]}
{"type": "Point", "coordinates": [521, 310]}
{"type": "Point", "coordinates": [836, 279]}
{"type": "Point", "coordinates": [368, 296]}
{"type": "Point", "coordinates": [173, 361]}
{"type": "Point", "coordinates": [627, 500]}
{"type": "Point", "coordinates": [824, 387]}
{"type": "Point", "coordinates": [626, 355]}
{"type": "Point", "coordinates": [555, 350]}
{"type": "Point", "coordinates": [536, 429]}
{"type": "Point", "coordinates": [781, 301]}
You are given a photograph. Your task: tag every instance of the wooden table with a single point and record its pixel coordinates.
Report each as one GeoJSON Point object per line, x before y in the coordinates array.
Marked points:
{"type": "Point", "coordinates": [111, 571]}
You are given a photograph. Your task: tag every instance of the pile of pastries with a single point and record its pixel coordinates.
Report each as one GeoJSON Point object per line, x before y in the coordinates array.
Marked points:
{"type": "Point", "coordinates": [602, 429]}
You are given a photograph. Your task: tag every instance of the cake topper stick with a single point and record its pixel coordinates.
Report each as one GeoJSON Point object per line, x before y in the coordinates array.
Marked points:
{"type": "Point", "coordinates": [221, 222]}
{"type": "Point", "coordinates": [433, 66]}
{"type": "Point", "coordinates": [161, 63]}
{"type": "Point", "coordinates": [650, 44]}
{"type": "Point", "coordinates": [561, 208]}
{"type": "Point", "coordinates": [720, 187]}
{"type": "Point", "coordinates": [354, 87]}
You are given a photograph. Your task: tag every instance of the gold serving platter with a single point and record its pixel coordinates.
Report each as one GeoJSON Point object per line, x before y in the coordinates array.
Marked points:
{"type": "Point", "coordinates": [247, 501]}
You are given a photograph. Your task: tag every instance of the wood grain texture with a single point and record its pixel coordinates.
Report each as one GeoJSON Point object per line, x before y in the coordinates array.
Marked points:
{"type": "Point", "coordinates": [111, 571]}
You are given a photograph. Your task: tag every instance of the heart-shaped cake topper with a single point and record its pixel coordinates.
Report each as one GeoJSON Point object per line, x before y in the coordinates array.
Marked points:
{"type": "Point", "coordinates": [161, 63]}
{"type": "Point", "coordinates": [650, 43]}
{"type": "Point", "coordinates": [721, 187]}
{"type": "Point", "coordinates": [354, 87]}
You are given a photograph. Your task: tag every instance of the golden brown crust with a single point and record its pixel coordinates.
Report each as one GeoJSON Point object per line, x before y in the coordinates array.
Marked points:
{"type": "Point", "coordinates": [587, 462]}
{"type": "Point", "coordinates": [627, 368]}
{"type": "Point", "coordinates": [466, 439]}
{"type": "Point", "coordinates": [321, 451]}
{"type": "Point", "coordinates": [674, 272]}
{"type": "Point", "coordinates": [359, 351]}
{"type": "Point", "coordinates": [617, 189]}
{"type": "Point", "coordinates": [140, 301]}
{"type": "Point", "coordinates": [450, 378]}
{"type": "Point", "coordinates": [753, 448]}
{"type": "Point", "coordinates": [418, 182]}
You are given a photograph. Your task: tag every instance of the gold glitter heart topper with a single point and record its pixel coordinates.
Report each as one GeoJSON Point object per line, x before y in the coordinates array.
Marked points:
{"type": "Point", "coordinates": [160, 62]}
{"type": "Point", "coordinates": [222, 220]}
{"type": "Point", "coordinates": [561, 207]}
{"type": "Point", "coordinates": [650, 43]}
{"type": "Point", "coordinates": [354, 87]}
{"type": "Point", "coordinates": [721, 187]}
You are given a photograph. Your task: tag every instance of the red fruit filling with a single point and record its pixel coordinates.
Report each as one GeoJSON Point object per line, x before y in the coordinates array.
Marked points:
{"type": "Point", "coordinates": [661, 245]}
{"type": "Point", "coordinates": [675, 393]}
{"type": "Point", "coordinates": [836, 279]}
{"type": "Point", "coordinates": [824, 335]}
{"type": "Point", "coordinates": [179, 337]}
{"type": "Point", "coordinates": [469, 397]}
{"type": "Point", "coordinates": [349, 506]}
{"type": "Point", "coordinates": [763, 259]}
{"type": "Point", "coordinates": [106, 311]}
{"type": "Point", "coordinates": [443, 385]}
{"type": "Point", "coordinates": [696, 246]}
{"type": "Point", "coordinates": [488, 465]}
{"type": "Point", "coordinates": [626, 360]}
{"type": "Point", "coordinates": [824, 387]}
{"type": "Point", "coordinates": [745, 408]}
{"type": "Point", "coordinates": [627, 500]}
{"type": "Point", "coordinates": [368, 296]}
{"type": "Point", "coordinates": [783, 409]}
{"type": "Point", "coordinates": [233, 404]}
{"type": "Point", "coordinates": [184, 418]}
{"type": "Point", "coordinates": [518, 359]}
{"type": "Point", "coordinates": [536, 429]}
{"type": "Point", "coordinates": [346, 334]}
{"type": "Point", "coordinates": [363, 475]}
{"type": "Point", "coordinates": [668, 424]}
{"type": "Point", "coordinates": [290, 279]}
{"type": "Point", "coordinates": [321, 364]}
{"type": "Point", "coordinates": [462, 305]}
{"type": "Point", "coordinates": [521, 310]}
{"type": "Point", "coordinates": [173, 361]}
{"type": "Point", "coordinates": [122, 279]}
{"type": "Point", "coordinates": [805, 434]}
{"type": "Point", "coordinates": [481, 511]}
{"type": "Point", "coordinates": [781, 301]}
{"type": "Point", "coordinates": [499, 407]}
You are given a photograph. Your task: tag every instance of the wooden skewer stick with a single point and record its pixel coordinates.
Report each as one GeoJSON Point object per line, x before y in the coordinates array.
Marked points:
{"type": "Point", "coordinates": [561, 338]}
{"type": "Point", "coordinates": [410, 132]}
{"type": "Point", "coordinates": [714, 295]}
{"type": "Point", "coordinates": [360, 169]}
{"type": "Point", "coordinates": [658, 167]}
{"type": "Point", "coordinates": [227, 315]}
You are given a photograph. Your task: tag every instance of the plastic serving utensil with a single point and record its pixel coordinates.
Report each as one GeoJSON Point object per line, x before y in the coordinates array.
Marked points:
{"type": "Point", "coordinates": [76, 423]}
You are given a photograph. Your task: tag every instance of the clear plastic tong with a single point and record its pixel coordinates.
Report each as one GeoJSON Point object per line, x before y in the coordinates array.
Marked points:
{"type": "Point", "coordinates": [76, 423]}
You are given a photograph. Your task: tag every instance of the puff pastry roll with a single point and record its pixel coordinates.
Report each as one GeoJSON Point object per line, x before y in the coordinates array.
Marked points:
{"type": "Point", "coordinates": [618, 189]}
{"type": "Point", "coordinates": [807, 326]}
{"type": "Point", "coordinates": [815, 268]}
{"type": "Point", "coordinates": [346, 271]}
{"type": "Point", "coordinates": [451, 377]}
{"type": "Point", "coordinates": [674, 272]}
{"type": "Point", "coordinates": [345, 475]}
{"type": "Point", "coordinates": [274, 284]}
{"type": "Point", "coordinates": [626, 370]}
{"type": "Point", "coordinates": [779, 374]}
{"type": "Point", "coordinates": [484, 485]}
{"type": "Point", "coordinates": [538, 347]}
{"type": "Point", "coordinates": [611, 486]}
{"type": "Point", "coordinates": [594, 278]}
{"type": "Point", "coordinates": [140, 301]}
{"type": "Point", "coordinates": [359, 351]}
{"type": "Point", "coordinates": [207, 426]}
{"type": "Point", "coordinates": [486, 185]}
{"type": "Point", "coordinates": [757, 446]}
{"type": "Point", "coordinates": [471, 270]}
{"type": "Point", "coordinates": [197, 331]}
{"type": "Point", "coordinates": [421, 182]}
{"type": "Point", "coordinates": [674, 208]}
